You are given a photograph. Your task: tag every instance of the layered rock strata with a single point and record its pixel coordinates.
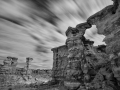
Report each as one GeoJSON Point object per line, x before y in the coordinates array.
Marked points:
{"type": "Point", "coordinates": [10, 75]}
{"type": "Point", "coordinates": [7, 72]}
{"type": "Point", "coordinates": [60, 62]}
{"type": "Point", "coordinates": [89, 67]}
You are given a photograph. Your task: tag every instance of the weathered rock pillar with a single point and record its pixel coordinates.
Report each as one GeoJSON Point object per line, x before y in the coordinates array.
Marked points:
{"type": "Point", "coordinates": [28, 60]}
{"type": "Point", "coordinates": [75, 55]}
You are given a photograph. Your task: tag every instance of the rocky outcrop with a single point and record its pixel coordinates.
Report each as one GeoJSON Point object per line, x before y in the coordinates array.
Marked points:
{"type": "Point", "coordinates": [59, 62]}
{"type": "Point", "coordinates": [10, 75]}
{"type": "Point", "coordinates": [7, 72]}
{"type": "Point", "coordinates": [89, 67]}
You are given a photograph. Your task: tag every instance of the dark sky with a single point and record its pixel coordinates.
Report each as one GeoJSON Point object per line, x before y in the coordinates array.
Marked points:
{"type": "Point", "coordinates": [30, 28]}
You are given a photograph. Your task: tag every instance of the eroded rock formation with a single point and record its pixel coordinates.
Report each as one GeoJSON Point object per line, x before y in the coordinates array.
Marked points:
{"type": "Point", "coordinates": [88, 67]}
{"type": "Point", "coordinates": [10, 75]}
{"type": "Point", "coordinates": [8, 71]}
{"type": "Point", "coordinates": [60, 62]}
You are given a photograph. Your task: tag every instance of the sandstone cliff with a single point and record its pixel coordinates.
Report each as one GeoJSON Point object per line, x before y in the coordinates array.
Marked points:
{"type": "Point", "coordinates": [87, 67]}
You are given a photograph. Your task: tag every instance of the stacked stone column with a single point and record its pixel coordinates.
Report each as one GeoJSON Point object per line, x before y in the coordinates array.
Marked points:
{"type": "Point", "coordinates": [75, 55]}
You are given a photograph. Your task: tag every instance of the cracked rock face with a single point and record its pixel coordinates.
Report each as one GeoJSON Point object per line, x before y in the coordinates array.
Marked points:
{"type": "Point", "coordinates": [91, 67]}
{"type": "Point", "coordinates": [108, 24]}
{"type": "Point", "coordinates": [59, 62]}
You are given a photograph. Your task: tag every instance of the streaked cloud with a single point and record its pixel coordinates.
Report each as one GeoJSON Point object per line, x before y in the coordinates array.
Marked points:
{"type": "Point", "coordinates": [30, 28]}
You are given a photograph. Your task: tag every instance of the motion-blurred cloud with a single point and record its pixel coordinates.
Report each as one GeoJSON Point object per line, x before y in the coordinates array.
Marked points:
{"type": "Point", "coordinates": [30, 28]}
